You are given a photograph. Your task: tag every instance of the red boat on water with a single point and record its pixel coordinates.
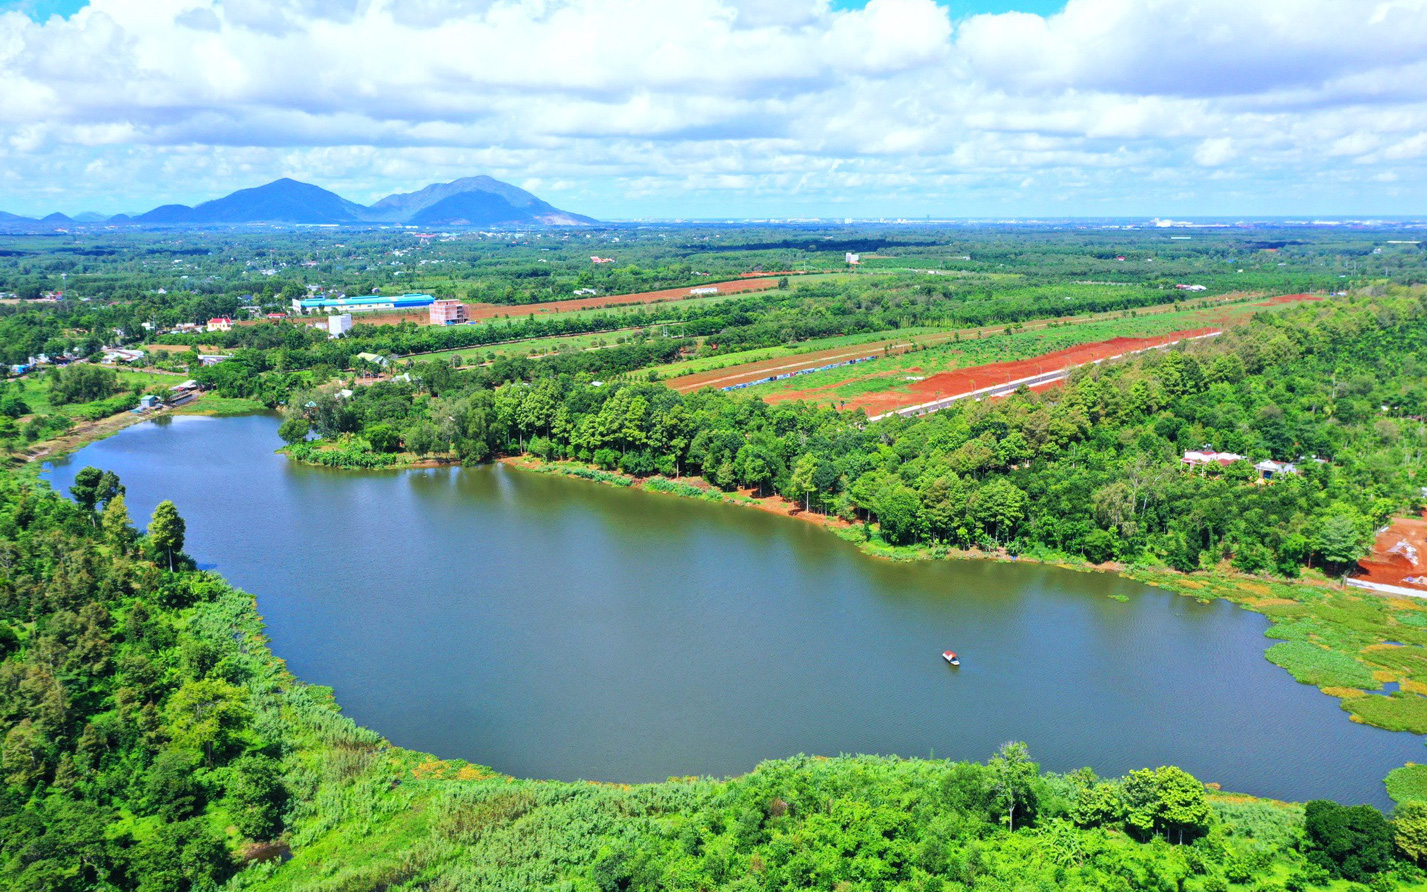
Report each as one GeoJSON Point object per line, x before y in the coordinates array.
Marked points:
{"type": "Point", "coordinates": [951, 657]}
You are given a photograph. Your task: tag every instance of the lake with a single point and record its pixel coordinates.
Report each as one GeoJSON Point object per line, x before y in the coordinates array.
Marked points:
{"type": "Point", "coordinates": [550, 627]}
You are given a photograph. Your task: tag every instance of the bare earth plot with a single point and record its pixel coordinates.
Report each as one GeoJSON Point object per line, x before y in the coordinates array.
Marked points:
{"type": "Point", "coordinates": [1399, 557]}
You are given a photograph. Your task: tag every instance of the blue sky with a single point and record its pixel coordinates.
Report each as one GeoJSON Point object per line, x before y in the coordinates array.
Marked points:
{"type": "Point", "coordinates": [727, 108]}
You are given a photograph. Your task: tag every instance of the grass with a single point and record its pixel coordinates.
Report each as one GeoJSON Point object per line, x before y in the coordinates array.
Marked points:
{"type": "Point", "coordinates": [1407, 782]}
{"type": "Point", "coordinates": [1395, 712]}
{"type": "Point", "coordinates": [1321, 667]}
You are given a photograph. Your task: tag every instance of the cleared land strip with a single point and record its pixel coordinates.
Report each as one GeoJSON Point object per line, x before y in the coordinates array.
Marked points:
{"type": "Point", "coordinates": [1010, 385]}
{"type": "Point", "coordinates": [738, 286]}
{"type": "Point", "coordinates": [783, 367]}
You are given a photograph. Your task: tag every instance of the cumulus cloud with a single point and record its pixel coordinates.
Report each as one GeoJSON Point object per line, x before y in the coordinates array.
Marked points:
{"type": "Point", "coordinates": [639, 104]}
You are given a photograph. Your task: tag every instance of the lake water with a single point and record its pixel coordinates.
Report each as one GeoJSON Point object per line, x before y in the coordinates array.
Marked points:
{"type": "Point", "coordinates": [557, 628]}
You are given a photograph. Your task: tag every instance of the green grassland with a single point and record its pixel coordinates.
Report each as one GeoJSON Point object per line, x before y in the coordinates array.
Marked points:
{"type": "Point", "coordinates": [35, 391]}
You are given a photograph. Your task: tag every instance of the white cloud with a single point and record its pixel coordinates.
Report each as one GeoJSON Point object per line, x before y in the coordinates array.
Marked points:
{"type": "Point", "coordinates": [1111, 103]}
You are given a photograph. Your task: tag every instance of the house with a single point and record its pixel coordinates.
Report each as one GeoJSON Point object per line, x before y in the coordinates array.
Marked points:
{"type": "Point", "coordinates": [852, 259]}
{"type": "Point", "coordinates": [1183, 287]}
{"type": "Point", "coordinates": [1203, 458]}
{"type": "Point", "coordinates": [448, 312]}
{"type": "Point", "coordinates": [706, 289]}
{"type": "Point", "coordinates": [585, 292]}
{"type": "Point", "coordinates": [148, 402]}
{"type": "Point", "coordinates": [276, 317]}
{"type": "Point", "coordinates": [339, 325]}
{"type": "Point", "coordinates": [595, 258]}
{"type": "Point", "coordinates": [373, 358]}
{"type": "Point", "coordinates": [1269, 469]}
{"type": "Point", "coordinates": [220, 323]}
{"type": "Point", "coordinates": [213, 359]}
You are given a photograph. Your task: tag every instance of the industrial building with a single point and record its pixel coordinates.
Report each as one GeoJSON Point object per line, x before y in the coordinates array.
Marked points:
{"type": "Point", "coordinates": [375, 303]}
{"type": "Point", "coordinates": [448, 312]}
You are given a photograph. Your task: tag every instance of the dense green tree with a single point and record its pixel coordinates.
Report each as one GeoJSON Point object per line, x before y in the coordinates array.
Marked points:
{"type": "Point", "coordinates": [1012, 784]}
{"type": "Point", "coordinates": [1409, 830]}
{"type": "Point", "coordinates": [166, 531]}
{"type": "Point", "coordinates": [1351, 841]}
{"type": "Point", "coordinates": [294, 429]}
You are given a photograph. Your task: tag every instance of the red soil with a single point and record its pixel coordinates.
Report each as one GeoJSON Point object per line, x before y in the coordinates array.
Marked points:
{"type": "Point", "coordinates": [496, 311]}
{"type": "Point", "coordinates": [966, 380]}
{"type": "Point", "coordinates": [1399, 554]}
{"type": "Point", "coordinates": [1287, 299]}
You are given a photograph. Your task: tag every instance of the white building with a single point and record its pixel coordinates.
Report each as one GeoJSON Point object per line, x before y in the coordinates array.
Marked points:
{"type": "Point", "coordinates": [339, 325]}
{"type": "Point", "coordinates": [853, 259]}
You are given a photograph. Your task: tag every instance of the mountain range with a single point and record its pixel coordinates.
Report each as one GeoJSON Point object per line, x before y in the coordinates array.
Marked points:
{"type": "Point", "coordinates": [471, 201]}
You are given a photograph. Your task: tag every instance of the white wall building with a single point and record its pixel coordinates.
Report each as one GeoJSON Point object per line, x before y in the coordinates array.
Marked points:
{"type": "Point", "coordinates": [339, 325]}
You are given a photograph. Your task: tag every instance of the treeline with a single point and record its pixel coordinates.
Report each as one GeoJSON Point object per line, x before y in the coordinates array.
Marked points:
{"type": "Point", "coordinates": [1091, 469]}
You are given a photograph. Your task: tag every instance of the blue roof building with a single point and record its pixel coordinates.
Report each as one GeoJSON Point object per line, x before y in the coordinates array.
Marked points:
{"type": "Point", "coordinates": [361, 304]}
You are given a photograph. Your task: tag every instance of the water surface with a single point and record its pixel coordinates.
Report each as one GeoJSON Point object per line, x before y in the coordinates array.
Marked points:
{"type": "Point", "coordinates": [558, 628]}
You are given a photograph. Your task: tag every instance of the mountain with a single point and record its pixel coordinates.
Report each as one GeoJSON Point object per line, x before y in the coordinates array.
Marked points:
{"type": "Point", "coordinates": [472, 201]}
{"type": "Point", "coordinates": [281, 201]}
{"type": "Point", "coordinates": [90, 217]}
{"type": "Point", "coordinates": [167, 213]}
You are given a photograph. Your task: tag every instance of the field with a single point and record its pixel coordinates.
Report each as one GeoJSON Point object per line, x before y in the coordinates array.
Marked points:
{"type": "Point", "coordinates": [887, 375]}
{"type": "Point", "coordinates": [734, 369]}
{"type": "Point", "coordinates": [1046, 367]}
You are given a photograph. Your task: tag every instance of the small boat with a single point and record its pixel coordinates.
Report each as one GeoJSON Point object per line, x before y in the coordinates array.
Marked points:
{"type": "Point", "coordinates": [951, 658]}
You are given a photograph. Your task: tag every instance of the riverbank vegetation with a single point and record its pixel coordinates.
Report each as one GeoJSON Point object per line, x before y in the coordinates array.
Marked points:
{"type": "Point", "coordinates": [151, 741]}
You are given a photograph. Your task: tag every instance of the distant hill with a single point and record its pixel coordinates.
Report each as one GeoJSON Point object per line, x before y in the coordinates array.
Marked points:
{"type": "Point", "coordinates": [471, 201]}
{"type": "Point", "coordinates": [167, 213]}
{"type": "Point", "coordinates": [281, 201]}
